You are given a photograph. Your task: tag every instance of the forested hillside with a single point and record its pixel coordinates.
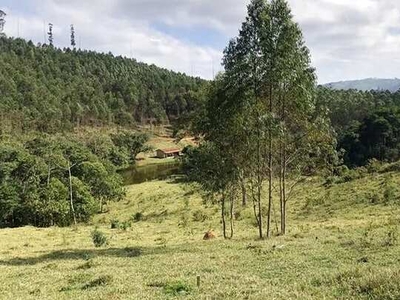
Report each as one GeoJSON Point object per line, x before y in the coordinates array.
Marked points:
{"type": "Point", "coordinates": [366, 123]}
{"type": "Point", "coordinates": [48, 89]}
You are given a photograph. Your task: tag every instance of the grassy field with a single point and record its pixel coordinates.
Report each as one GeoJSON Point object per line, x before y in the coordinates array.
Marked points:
{"type": "Point", "coordinates": [342, 244]}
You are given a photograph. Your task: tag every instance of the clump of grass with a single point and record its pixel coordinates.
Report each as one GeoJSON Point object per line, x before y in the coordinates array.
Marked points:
{"type": "Point", "coordinates": [87, 265]}
{"type": "Point", "coordinates": [137, 217]}
{"type": "Point", "coordinates": [177, 288]}
{"type": "Point", "coordinates": [99, 238]}
{"type": "Point", "coordinates": [391, 237]}
{"type": "Point", "coordinates": [115, 224]}
{"type": "Point", "coordinates": [101, 281]}
{"type": "Point", "coordinates": [125, 225]}
{"type": "Point", "coordinates": [389, 193]}
{"type": "Point", "coordinates": [369, 284]}
{"type": "Point", "coordinates": [199, 216]}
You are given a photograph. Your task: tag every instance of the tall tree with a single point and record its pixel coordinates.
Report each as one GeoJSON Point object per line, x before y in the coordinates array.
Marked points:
{"type": "Point", "coordinates": [268, 65]}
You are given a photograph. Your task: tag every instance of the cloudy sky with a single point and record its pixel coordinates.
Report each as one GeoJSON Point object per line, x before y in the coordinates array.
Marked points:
{"type": "Point", "coordinates": [348, 39]}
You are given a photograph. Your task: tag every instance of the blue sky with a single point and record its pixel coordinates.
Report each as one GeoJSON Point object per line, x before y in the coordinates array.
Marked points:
{"type": "Point", "coordinates": [348, 39]}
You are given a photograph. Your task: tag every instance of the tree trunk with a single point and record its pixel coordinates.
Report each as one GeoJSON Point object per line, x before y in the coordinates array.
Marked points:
{"type": "Point", "coordinates": [223, 216]}
{"type": "Point", "coordinates": [259, 182]}
{"type": "Point", "coordinates": [244, 192]}
{"type": "Point", "coordinates": [283, 215]}
{"type": "Point", "coordinates": [231, 214]}
{"type": "Point", "coordinates": [283, 170]}
{"type": "Point", "coordinates": [71, 194]}
{"type": "Point", "coordinates": [269, 167]}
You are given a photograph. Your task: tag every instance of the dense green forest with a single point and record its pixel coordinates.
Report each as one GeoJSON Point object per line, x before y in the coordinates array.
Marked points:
{"type": "Point", "coordinates": [59, 179]}
{"type": "Point", "coordinates": [48, 89]}
{"type": "Point", "coordinates": [366, 124]}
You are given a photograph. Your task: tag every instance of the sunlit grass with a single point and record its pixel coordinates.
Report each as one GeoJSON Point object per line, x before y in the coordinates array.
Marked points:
{"type": "Point", "coordinates": [342, 244]}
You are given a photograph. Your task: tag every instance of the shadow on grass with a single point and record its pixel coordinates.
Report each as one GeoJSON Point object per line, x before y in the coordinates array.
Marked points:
{"type": "Point", "coordinates": [85, 254]}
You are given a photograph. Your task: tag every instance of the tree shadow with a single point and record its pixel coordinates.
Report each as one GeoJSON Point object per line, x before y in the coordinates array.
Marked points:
{"type": "Point", "coordinates": [85, 254]}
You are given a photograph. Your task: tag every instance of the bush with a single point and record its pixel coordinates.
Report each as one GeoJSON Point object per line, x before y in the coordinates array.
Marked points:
{"type": "Point", "coordinates": [177, 288]}
{"type": "Point", "coordinates": [99, 238]}
{"type": "Point", "coordinates": [115, 224]}
{"type": "Point", "coordinates": [395, 167]}
{"type": "Point", "coordinates": [125, 225]}
{"type": "Point", "coordinates": [374, 166]}
{"type": "Point", "coordinates": [340, 170]}
{"type": "Point", "coordinates": [137, 217]}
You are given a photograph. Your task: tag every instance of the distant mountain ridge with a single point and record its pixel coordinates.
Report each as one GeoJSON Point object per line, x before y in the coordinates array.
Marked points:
{"type": "Point", "coordinates": [368, 84]}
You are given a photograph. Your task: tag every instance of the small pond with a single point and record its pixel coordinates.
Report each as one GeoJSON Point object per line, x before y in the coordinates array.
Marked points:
{"type": "Point", "coordinates": [136, 175]}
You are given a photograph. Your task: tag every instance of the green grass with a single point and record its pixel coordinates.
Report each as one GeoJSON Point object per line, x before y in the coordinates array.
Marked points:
{"type": "Point", "coordinates": [342, 244]}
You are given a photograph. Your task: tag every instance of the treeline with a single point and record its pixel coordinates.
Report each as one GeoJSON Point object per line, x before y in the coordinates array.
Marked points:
{"type": "Point", "coordinates": [48, 89]}
{"type": "Point", "coordinates": [48, 180]}
{"type": "Point", "coordinates": [367, 124]}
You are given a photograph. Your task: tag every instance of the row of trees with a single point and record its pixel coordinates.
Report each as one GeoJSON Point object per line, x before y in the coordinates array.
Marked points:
{"type": "Point", "coordinates": [48, 89]}
{"type": "Point", "coordinates": [61, 180]}
{"type": "Point", "coordinates": [262, 125]}
{"type": "Point", "coordinates": [377, 136]}
{"type": "Point", "coordinates": [366, 124]}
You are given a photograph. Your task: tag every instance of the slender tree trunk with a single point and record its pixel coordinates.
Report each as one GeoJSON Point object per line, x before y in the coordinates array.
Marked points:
{"type": "Point", "coordinates": [284, 200]}
{"type": "Point", "coordinates": [283, 169]}
{"type": "Point", "coordinates": [269, 167]}
{"type": "Point", "coordinates": [71, 199]}
{"type": "Point", "coordinates": [231, 215]}
{"type": "Point", "coordinates": [223, 216]}
{"type": "Point", "coordinates": [244, 191]}
{"type": "Point", "coordinates": [259, 190]}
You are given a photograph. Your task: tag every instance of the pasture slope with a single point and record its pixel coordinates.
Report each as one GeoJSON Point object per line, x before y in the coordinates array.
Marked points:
{"type": "Point", "coordinates": [342, 244]}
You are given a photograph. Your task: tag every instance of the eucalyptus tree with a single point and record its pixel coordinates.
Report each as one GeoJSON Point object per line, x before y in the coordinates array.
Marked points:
{"type": "Point", "coordinates": [269, 65]}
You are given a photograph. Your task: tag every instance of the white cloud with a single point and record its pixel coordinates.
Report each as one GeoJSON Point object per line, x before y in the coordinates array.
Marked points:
{"type": "Point", "coordinates": [347, 39]}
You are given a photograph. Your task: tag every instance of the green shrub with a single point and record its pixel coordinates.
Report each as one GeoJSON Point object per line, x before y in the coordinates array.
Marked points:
{"type": "Point", "coordinates": [374, 166]}
{"type": "Point", "coordinates": [394, 167]}
{"type": "Point", "coordinates": [99, 238]}
{"type": "Point", "coordinates": [330, 180]}
{"type": "Point", "coordinates": [389, 194]}
{"type": "Point", "coordinates": [115, 224]}
{"type": "Point", "coordinates": [177, 288]}
{"type": "Point", "coordinates": [340, 170]}
{"type": "Point", "coordinates": [125, 225]}
{"type": "Point", "coordinates": [137, 217]}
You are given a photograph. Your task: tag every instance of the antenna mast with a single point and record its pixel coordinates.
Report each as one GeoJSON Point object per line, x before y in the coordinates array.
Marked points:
{"type": "Point", "coordinates": [2, 21]}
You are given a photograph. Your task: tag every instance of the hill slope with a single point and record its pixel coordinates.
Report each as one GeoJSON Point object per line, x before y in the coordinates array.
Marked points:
{"type": "Point", "coordinates": [342, 244]}
{"type": "Point", "coordinates": [368, 84]}
{"type": "Point", "coordinates": [51, 89]}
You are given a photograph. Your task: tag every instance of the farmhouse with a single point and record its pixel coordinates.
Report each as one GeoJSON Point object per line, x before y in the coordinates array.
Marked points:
{"type": "Point", "coordinates": [164, 153]}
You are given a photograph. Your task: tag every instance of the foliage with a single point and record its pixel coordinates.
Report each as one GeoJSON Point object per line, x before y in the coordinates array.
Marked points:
{"type": "Point", "coordinates": [261, 119]}
{"type": "Point", "coordinates": [177, 288]}
{"type": "Point", "coordinates": [376, 137]}
{"type": "Point", "coordinates": [54, 180]}
{"type": "Point", "coordinates": [48, 89]}
{"type": "Point", "coordinates": [99, 238]}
